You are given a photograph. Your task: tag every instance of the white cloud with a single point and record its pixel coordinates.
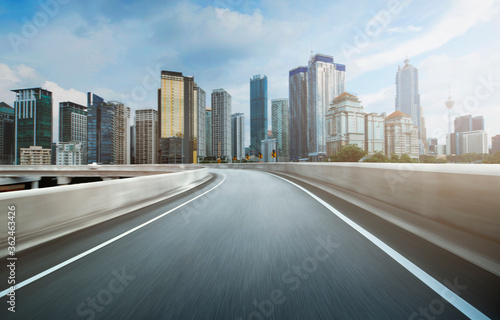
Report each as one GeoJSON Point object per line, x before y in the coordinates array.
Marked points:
{"type": "Point", "coordinates": [380, 101]}
{"type": "Point", "coordinates": [455, 22]}
{"type": "Point", "coordinates": [405, 29]}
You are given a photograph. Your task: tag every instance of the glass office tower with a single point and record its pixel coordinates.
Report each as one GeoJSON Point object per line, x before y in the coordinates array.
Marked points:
{"type": "Point", "coordinates": [258, 112]}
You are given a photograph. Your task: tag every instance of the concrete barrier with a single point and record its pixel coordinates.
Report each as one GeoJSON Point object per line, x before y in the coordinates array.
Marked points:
{"type": "Point", "coordinates": [49, 213]}
{"type": "Point", "coordinates": [466, 197]}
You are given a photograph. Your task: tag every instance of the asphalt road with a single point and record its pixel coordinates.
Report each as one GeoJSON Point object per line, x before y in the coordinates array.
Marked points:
{"type": "Point", "coordinates": [255, 247]}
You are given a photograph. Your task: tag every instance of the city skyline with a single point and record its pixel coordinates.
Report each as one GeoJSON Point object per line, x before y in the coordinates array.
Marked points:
{"type": "Point", "coordinates": [436, 43]}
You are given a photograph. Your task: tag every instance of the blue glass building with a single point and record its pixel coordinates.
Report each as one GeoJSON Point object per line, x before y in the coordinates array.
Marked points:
{"type": "Point", "coordinates": [99, 130]}
{"type": "Point", "coordinates": [258, 112]}
{"type": "Point", "coordinates": [298, 113]}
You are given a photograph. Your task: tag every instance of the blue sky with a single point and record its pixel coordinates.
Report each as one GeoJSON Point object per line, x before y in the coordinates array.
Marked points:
{"type": "Point", "coordinates": [117, 47]}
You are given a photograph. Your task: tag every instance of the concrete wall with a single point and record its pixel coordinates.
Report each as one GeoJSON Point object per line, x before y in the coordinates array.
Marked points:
{"type": "Point", "coordinates": [463, 196]}
{"type": "Point", "coordinates": [45, 214]}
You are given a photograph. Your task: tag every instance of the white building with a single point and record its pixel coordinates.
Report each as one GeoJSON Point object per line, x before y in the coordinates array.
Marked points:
{"type": "Point", "coordinates": [280, 115]}
{"type": "Point", "coordinates": [345, 123]}
{"type": "Point", "coordinates": [325, 81]}
{"type": "Point", "coordinates": [70, 153]}
{"type": "Point", "coordinates": [475, 142]}
{"type": "Point", "coordinates": [401, 135]}
{"type": "Point", "coordinates": [35, 155]}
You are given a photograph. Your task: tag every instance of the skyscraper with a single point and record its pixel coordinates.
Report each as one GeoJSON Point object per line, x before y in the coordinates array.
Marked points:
{"type": "Point", "coordinates": [258, 111]}
{"type": "Point", "coordinates": [100, 130]}
{"type": "Point", "coordinates": [121, 133]}
{"type": "Point", "coordinates": [33, 119]}
{"type": "Point", "coordinates": [146, 136]}
{"type": "Point", "coordinates": [221, 124]}
{"type": "Point", "coordinates": [325, 81]}
{"type": "Point", "coordinates": [73, 126]}
{"type": "Point", "coordinates": [208, 129]}
{"type": "Point", "coordinates": [7, 134]}
{"type": "Point", "coordinates": [374, 133]}
{"type": "Point", "coordinates": [238, 135]}
{"type": "Point", "coordinates": [177, 118]}
{"type": "Point", "coordinates": [297, 96]}
{"type": "Point", "coordinates": [495, 144]}
{"type": "Point", "coordinates": [280, 115]}
{"type": "Point", "coordinates": [201, 104]}
{"type": "Point", "coordinates": [407, 94]}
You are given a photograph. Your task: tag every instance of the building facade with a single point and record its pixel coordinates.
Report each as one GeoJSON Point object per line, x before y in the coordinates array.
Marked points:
{"type": "Point", "coordinates": [69, 153]}
{"type": "Point", "coordinates": [201, 105]}
{"type": "Point", "coordinates": [258, 111]}
{"type": "Point", "coordinates": [221, 124]}
{"type": "Point", "coordinates": [297, 97]}
{"type": "Point", "coordinates": [7, 134]}
{"type": "Point", "coordinates": [345, 123]}
{"type": "Point", "coordinates": [208, 132]}
{"type": "Point", "coordinates": [146, 136]}
{"type": "Point", "coordinates": [121, 133]}
{"type": "Point", "coordinates": [177, 118]}
{"type": "Point", "coordinates": [495, 144]}
{"type": "Point", "coordinates": [35, 155]}
{"type": "Point", "coordinates": [374, 133]}
{"type": "Point", "coordinates": [475, 142]}
{"type": "Point", "coordinates": [73, 125]}
{"type": "Point", "coordinates": [401, 135]}
{"type": "Point", "coordinates": [280, 115]}
{"type": "Point", "coordinates": [33, 119]}
{"type": "Point", "coordinates": [100, 130]}
{"type": "Point", "coordinates": [238, 135]}
{"type": "Point", "coordinates": [325, 81]}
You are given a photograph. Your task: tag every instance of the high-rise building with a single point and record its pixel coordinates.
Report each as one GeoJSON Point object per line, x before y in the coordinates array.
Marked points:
{"type": "Point", "coordinates": [432, 143]}
{"type": "Point", "coordinates": [35, 155]}
{"type": "Point", "coordinates": [374, 133]}
{"type": "Point", "coordinates": [401, 135]}
{"type": "Point", "coordinates": [280, 115]}
{"type": "Point", "coordinates": [408, 96]}
{"type": "Point", "coordinates": [69, 153]}
{"type": "Point", "coordinates": [477, 123]}
{"type": "Point", "coordinates": [258, 111]}
{"type": "Point", "coordinates": [424, 147]}
{"type": "Point", "coordinates": [201, 104]}
{"type": "Point", "coordinates": [121, 133]}
{"type": "Point", "coordinates": [146, 136]}
{"type": "Point", "coordinates": [7, 134]}
{"type": "Point", "coordinates": [221, 124]}
{"type": "Point", "coordinates": [208, 134]}
{"type": "Point", "coordinates": [73, 126]}
{"type": "Point", "coordinates": [326, 81]}
{"type": "Point", "coordinates": [33, 120]}
{"type": "Point", "coordinates": [297, 96]}
{"type": "Point", "coordinates": [177, 119]}
{"type": "Point", "coordinates": [238, 135]}
{"type": "Point", "coordinates": [468, 123]}
{"type": "Point", "coordinates": [100, 130]}
{"type": "Point", "coordinates": [345, 123]}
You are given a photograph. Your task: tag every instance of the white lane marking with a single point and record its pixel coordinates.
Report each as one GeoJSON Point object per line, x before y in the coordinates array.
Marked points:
{"type": "Point", "coordinates": [81, 255]}
{"type": "Point", "coordinates": [450, 296]}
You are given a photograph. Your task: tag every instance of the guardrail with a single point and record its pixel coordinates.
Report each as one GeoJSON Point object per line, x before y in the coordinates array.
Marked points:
{"type": "Point", "coordinates": [463, 196]}
{"type": "Point", "coordinates": [49, 213]}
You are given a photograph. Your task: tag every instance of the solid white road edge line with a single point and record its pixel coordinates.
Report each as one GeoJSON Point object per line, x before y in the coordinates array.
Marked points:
{"type": "Point", "coordinates": [81, 255]}
{"type": "Point", "coordinates": [459, 303]}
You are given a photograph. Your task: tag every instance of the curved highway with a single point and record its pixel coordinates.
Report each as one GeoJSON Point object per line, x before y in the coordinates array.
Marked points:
{"type": "Point", "coordinates": [248, 245]}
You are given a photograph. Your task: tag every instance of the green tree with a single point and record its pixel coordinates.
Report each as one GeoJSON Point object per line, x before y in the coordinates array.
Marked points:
{"type": "Point", "coordinates": [394, 157]}
{"type": "Point", "coordinates": [350, 153]}
{"type": "Point", "coordinates": [378, 156]}
{"type": "Point", "coordinates": [406, 158]}
{"type": "Point", "coordinates": [494, 158]}
{"type": "Point", "coordinates": [441, 160]}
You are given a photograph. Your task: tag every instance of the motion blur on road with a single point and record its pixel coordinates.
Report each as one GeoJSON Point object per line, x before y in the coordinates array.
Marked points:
{"type": "Point", "coordinates": [255, 247]}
